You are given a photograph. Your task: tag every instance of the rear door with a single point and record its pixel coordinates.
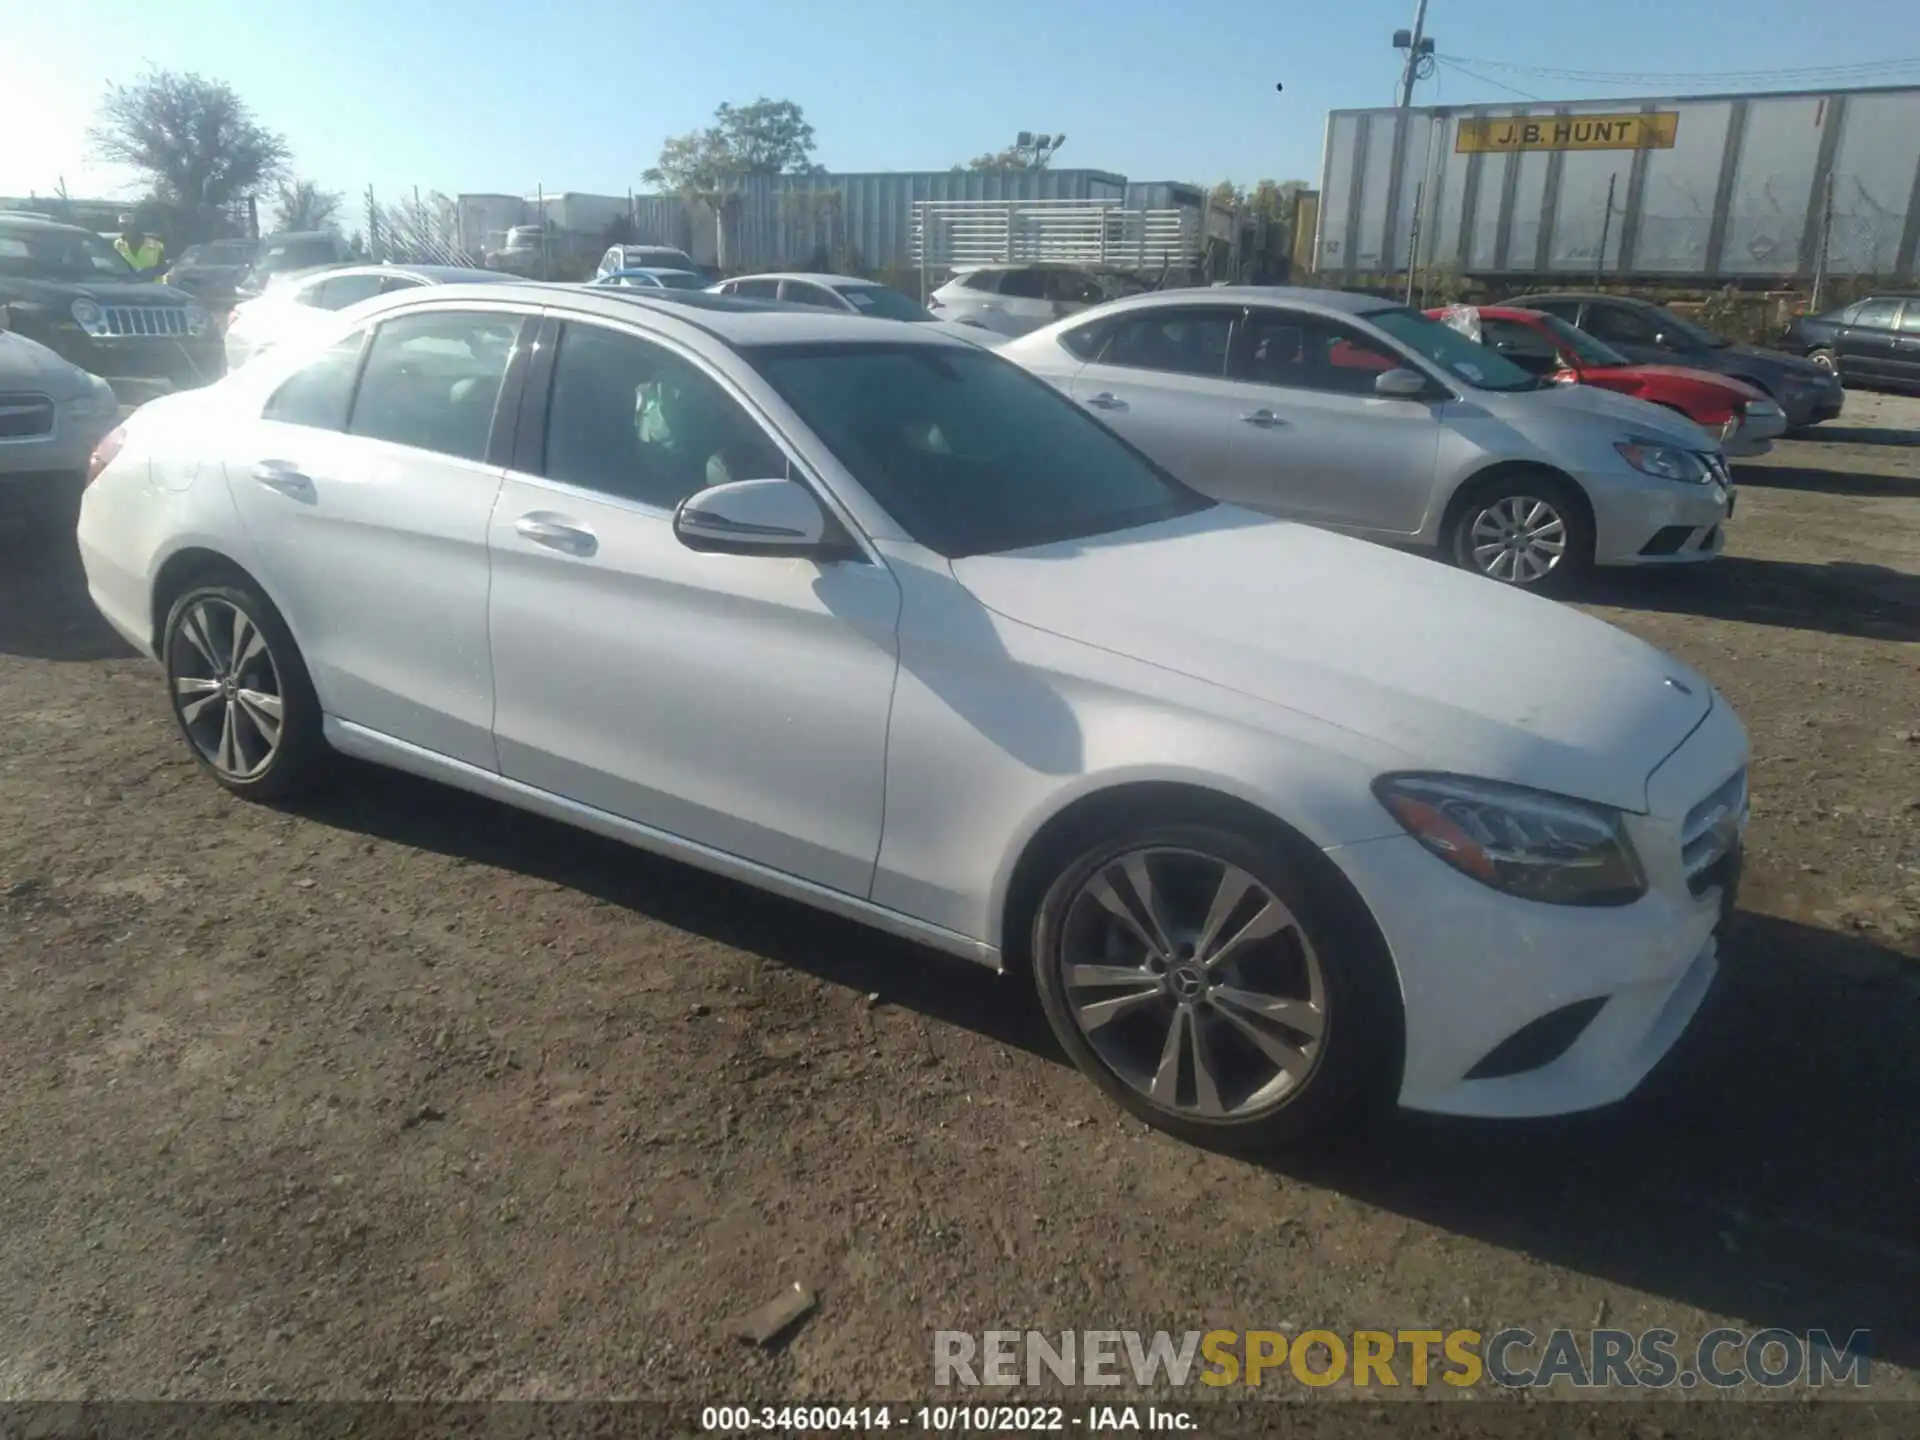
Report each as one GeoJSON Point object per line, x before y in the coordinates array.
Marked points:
{"type": "Point", "coordinates": [1023, 303]}
{"type": "Point", "coordinates": [1906, 353]}
{"type": "Point", "coordinates": [1159, 377]}
{"type": "Point", "coordinates": [1868, 345]}
{"type": "Point", "coordinates": [1335, 452]}
{"type": "Point", "coordinates": [366, 488]}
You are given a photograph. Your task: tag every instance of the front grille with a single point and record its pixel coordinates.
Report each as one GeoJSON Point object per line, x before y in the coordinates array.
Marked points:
{"type": "Point", "coordinates": [23, 417]}
{"type": "Point", "coordinates": [145, 319]}
{"type": "Point", "coordinates": [1710, 833]}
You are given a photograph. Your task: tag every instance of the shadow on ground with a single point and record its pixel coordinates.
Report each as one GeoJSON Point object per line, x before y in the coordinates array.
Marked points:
{"type": "Point", "coordinates": [1859, 435]}
{"type": "Point", "coordinates": [1766, 1172]}
{"type": "Point", "coordinates": [1871, 601]}
{"type": "Point", "coordinates": [1826, 482]}
{"type": "Point", "coordinates": [45, 613]}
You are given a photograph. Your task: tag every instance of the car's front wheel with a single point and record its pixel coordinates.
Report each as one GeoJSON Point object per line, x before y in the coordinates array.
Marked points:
{"type": "Point", "coordinates": [240, 690]}
{"type": "Point", "coordinates": [1527, 529]}
{"type": "Point", "coordinates": [1824, 358]}
{"type": "Point", "coordinates": [1189, 973]}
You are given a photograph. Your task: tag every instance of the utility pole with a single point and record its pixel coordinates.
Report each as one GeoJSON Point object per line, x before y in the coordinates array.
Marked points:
{"type": "Point", "coordinates": [1419, 48]}
{"type": "Point", "coordinates": [1606, 229]}
{"type": "Point", "coordinates": [1826, 239]}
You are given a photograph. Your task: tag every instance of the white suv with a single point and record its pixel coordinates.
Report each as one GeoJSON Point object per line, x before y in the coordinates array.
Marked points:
{"type": "Point", "coordinates": [1014, 299]}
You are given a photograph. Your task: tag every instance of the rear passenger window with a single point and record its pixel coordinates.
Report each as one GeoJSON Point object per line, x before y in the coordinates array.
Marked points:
{"type": "Point", "coordinates": [1182, 342]}
{"type": "Point", "coordinates": [1025, 284]}
{"type": "Point", "coordinates": [756, 289]}
{"type": "Point", "coordinates": [317, 395]}
{"type": "Point", "coordinates": [1087, 341]}
{"type": "Point", "coordinates": [344, 290]}
{"type": "Point", "coordinates": [432, 381]}
{"type": "Point", "coordinates": [984, 280]}
{"type": "Point", "coordinates": [631, 419]}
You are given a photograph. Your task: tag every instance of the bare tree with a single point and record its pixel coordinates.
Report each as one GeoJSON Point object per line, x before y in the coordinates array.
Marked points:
{"type": "Point", "coordinates": [303, 205]}
{"type": "Point", "coordinates": [194, 139]}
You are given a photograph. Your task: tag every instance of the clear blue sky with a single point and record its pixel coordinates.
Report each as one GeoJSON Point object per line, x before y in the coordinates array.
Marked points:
{"type": "Point", "coordinates": [503, 95]}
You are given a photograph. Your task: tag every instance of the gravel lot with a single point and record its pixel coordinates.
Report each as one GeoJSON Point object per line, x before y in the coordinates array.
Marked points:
{"type": "Point", "coordinates": [396, 1093]}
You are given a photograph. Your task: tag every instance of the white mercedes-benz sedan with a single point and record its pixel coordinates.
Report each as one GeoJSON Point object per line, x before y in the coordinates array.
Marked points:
{"type": "Point", "coordinates": [1280, 822]}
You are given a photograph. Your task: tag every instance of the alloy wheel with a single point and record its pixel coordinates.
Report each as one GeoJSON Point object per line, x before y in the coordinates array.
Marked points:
{"type": "Point", "coordinates": [1824, 359]}
{"type": "Point", "coordinates": [226, 688]}
{"type": "Point", "coordinates": [1193, 983]}
{"type": "Point", "coordinates": [1520, 539]}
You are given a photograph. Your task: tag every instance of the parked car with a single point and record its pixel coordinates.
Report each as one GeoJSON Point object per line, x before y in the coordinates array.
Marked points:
{"type": "Point", "coordinates": [212, 271]}
{"type": "Point", "coordinates": [308, 300]}
{"type": "Point", "coordinates": [1744, 419]}
{"type": "Point", "coordinates": [293, 250]}
{"type": "Point", "coordinates": [1014, 299]}
{"type": "Point", "coordinates": [648, 279]}
{"type": "Point", "coordinates": [1643, 331]}
{"type": "Point", "coordinates": [1875, 341]}
{"type": "Point", "coordinates": [846, 293]}
{"type": "Point", "coordinates": [52, 414]}
{"type": "Point", "coordinates": [70, 290]}
{"type": "Point", "coordinates": [857, 613]}
{"type": "Point", "coordinates": [651, 257]}
{"type": "Point", "coordinates": [1365, 416]}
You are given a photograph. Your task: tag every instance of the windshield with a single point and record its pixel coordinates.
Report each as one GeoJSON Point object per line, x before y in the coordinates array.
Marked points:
{"type": "Point", "coordinates": [882, 303]}
{"type": "Point", "coordinates": [1591, 353]}
{"type": "Point", "coordinates": [972, 455]}
{"type": "Point", "coordinates": [1672, 324]}
{"type": "Point", "coordinates": [1458, 356]}
{"type": "Point", "coordinates": [54, 254]}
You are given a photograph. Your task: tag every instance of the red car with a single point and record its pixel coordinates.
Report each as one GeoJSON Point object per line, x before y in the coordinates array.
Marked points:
{"type": "Point", "coordinates": [1742, 418]}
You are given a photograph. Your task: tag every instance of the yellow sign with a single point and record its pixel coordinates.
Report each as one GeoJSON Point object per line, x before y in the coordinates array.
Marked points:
{"type": "Point", "coordinates": [1567, 132]}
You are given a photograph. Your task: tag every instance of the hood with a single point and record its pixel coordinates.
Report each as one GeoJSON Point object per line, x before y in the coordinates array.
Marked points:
{"type": "Point", "coordinates": [1456, 672]}
{"type": "Point", "coordinates": [1690, 375]}
{"type": "Point", "coordinates": [1640, 417]}
{"type": "Point", "coordinates": [103, 292]}
{"type": "Point", "coordinates": [28, 365]}
{"type": "Point", "coordinates": [1789, 364]}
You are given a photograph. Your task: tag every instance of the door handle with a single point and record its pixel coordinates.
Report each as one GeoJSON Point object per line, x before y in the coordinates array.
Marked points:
{"type": "Point", "coordinates": [557, 534]}
{"type": "Point", "coordinates": [286, 477]}
{"type": "Point", "coordinates": [1264, 418]}
{"type": "Point", "coordinates": [1106, 400]}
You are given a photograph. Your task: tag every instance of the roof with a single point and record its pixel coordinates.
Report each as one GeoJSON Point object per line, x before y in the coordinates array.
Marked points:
{"type": "Point", "coordinates": [1342, 302]}
{"type": "Point", "coordinates": [729, 318]}
{"type": "Point", "coordinates": [816, 277]}
{"type": "Point", "coordinates": [40, 222]}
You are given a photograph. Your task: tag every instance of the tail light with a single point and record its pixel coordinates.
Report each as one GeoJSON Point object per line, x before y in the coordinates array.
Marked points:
{"type": "Point", "coordinates": [104, 452]}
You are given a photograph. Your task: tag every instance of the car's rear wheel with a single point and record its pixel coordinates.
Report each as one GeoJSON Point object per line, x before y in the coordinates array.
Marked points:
{"type": "Point", "coordinates": [1527, 529]}
{"type": "Point", "coordinates": [240, 691]}
{"type": "Point", "coordinates": [1191, 976]}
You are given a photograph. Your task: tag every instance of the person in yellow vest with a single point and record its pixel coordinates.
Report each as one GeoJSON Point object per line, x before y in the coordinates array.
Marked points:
{"type": "Point", "coordinates": [140, 248]}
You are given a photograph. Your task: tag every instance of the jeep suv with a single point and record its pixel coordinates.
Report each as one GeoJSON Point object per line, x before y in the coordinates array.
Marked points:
{"type": "Point", "coordinates": [69, 289]}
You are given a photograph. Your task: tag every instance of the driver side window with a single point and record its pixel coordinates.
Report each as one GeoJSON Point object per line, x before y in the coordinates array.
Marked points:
{"type": "Point", "coordinates": [633, 420]}
{"type": "Point", "coordinates": [1618, 324]}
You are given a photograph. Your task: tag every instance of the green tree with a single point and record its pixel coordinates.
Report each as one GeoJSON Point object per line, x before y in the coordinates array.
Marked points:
{"type": "Point", "coordinates": [303, 205]}
{"type": "Point", "coordinates": [768, 137]}
{"type": "Point", "coordinates": [194, 139]}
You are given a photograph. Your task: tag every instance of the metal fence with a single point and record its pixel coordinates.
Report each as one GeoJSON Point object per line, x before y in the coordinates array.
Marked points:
{"type": "Point", "coordinates": [949, 234]}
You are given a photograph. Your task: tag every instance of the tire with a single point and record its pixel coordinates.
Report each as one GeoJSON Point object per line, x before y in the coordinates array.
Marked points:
{"type": "Point", "coordinates": [1825, 359]}
{"type": "Point", "coordinates": [224, 710]}
{"type": "Point", "coordinates": [1488, 512]}
{"type": "Point", "coordinates": [1330, 977]}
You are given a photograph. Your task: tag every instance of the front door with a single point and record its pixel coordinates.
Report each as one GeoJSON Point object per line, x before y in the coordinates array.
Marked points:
{"type": "Point", "coordinates": [1868, 346]}
{"type": "Point", "coordinates": [369, 505]}
{"type": "Point", "coordinates": [739, 702]}
{"type": "Point", "coordinates": [1340, 453]}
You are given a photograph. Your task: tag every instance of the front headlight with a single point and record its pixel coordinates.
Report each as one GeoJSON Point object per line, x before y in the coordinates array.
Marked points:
{"type": "Point", "coordinates": [198, 320]}
{"type": "Point", "coordinates": [1526, 843]}
{"type": "Point", "coordinates": [1663, 461]}
{"type": "Point", "coordinates": [89, 316]}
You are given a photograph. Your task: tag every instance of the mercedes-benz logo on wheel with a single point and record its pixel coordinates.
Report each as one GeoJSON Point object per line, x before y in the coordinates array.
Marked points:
{"type": "Point", "coordinates": [1187, 982]}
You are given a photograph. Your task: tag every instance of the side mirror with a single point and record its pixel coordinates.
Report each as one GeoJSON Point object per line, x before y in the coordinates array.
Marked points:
{"type": "Point", "coordinates": [752, 517]}
{"type": "Point", "coordinates": [1662, 340]}
{"type": "Point", "coordinates": [1401, 383]}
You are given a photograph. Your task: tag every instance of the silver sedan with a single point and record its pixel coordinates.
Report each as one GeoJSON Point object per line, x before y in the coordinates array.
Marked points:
{"type": "Point", "coordinates": [1364, 416]}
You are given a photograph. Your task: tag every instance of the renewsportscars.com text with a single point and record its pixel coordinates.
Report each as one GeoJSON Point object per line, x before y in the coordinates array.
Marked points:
{"type": "Point", "coordinates": [1377, 1359]}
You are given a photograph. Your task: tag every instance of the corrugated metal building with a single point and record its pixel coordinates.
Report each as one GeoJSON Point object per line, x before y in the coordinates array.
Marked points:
{"type": "Point", "coordinates": [1741, 193]}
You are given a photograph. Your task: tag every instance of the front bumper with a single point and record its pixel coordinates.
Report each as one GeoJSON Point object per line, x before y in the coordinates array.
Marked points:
{"type": "Point", "coordinates": [1477, 967]}
{"type": "Point", "coordinates": [1644, 521]}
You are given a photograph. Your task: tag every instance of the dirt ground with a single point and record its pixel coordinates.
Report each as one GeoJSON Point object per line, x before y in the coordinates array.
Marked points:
{"type": "Point", "coordinates": [397, 1093]}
